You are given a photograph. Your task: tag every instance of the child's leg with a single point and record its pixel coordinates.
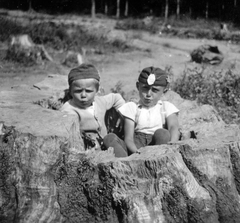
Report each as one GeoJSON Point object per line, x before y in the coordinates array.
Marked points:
{"type": "Point", "coordinates": [112, 140]}
{"type": "Point", "coordinates": [161, 136]}
{"type": "Point", "coordinates": [141, 139]}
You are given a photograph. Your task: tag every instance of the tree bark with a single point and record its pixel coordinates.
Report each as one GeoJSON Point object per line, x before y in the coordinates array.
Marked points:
{"type": "Point", "coordinates": [118, 9]}
{"type": "Point", "coordinates": [178, 8]}
{"type": "Point", "coordinates": [30, 9]}
{"type": "Point", "coordinates": [93, 10]}
{"type": "Point", "coordinates": [166, 10]}
{"type": "Point", "coordinates": [106, 8]}
{"type": "Point", "coordinates": [126, 8]}
{"type": "Point", "coordinates": [47, 176]}
{"type": "Point", "coordinates": [207, 8]}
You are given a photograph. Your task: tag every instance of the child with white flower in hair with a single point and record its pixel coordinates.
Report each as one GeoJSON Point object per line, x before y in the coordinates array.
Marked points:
{"type": "Point", "coordinates": [145, 121]}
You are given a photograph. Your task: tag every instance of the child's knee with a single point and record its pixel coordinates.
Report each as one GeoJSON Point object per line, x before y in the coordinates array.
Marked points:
{"type": "Point", "coordinates": [109, 139]}
{"type": "Point", "coordinates": [161, 136]}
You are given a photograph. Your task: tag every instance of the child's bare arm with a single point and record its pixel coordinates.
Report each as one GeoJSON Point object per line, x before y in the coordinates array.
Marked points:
{"type": "Point", "coordinates": [173, 127]}
{"type": "Point", "coordinates": [129, 135]}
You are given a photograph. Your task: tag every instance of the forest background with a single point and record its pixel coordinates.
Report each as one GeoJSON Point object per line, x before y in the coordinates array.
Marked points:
{"type": "Point", "coordinates": [224, 10]}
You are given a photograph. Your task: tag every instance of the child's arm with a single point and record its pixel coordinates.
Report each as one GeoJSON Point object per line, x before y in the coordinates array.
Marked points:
{"type": "Point", "coordinates": [114, 100]}
{"type": "Point", "coordinates": [129, 135]}
{"type": "Point", "coordinates": [173, 127]}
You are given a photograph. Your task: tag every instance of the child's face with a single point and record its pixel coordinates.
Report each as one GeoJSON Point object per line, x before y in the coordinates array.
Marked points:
{"type": "Point", "coordinates": [149, 95]}
{"type": "Point", "coordinates": [83, 92]}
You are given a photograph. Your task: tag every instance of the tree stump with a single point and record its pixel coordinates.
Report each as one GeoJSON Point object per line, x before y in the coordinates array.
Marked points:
{"type": "Point", "coordinates": [47, 176]}
{"type": "Point", "coordinates": [22, 49]}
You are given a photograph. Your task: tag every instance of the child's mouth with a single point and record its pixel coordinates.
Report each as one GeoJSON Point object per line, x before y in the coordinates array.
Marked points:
{"type": "Point", "coordinates": [147, 100]}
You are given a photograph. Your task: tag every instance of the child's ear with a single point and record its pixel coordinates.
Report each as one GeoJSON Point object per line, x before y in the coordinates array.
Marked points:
{"type": "Point", "coordinates": [166, 88]}
{"type": "Point", "coordinates": [70, 91]}
{"type": "Point", "coordinates": [137, 85]}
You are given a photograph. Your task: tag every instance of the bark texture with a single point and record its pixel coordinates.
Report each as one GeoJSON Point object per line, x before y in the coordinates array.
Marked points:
{"type": "Point", "coordinates": [46, 176]}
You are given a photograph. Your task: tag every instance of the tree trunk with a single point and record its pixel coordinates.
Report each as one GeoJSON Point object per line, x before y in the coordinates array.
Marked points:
{"type": "Point", "coordinates": [178, 8]}
{"type": "Point", "coordinates": [93, 10]}
{"type": "Point", "coordinates": [206, 13]}
{"type": "Point", "coordinates": [30, 5]}
{"type": "Point", "coordinates": [118, 9]}
{"type": "Point", "coordinates": [166, 10]}
{"type": "Point", "coordinates": [235, 3]}
{"type": "Point", "coordinates": [126, 8]}
{"type": "Point", "coordinates": [106, 8]}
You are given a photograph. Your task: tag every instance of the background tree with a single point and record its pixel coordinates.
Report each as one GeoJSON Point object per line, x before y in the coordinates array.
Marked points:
{"type": "Point", "coordinates": [93, 10]}
{"type": "Point", "coordinates": [126, 8]}
{"type": "Point", "coordinates": [166, 9]}
{"type": "Point", "coordinates": [223, 10]}
{"type": "Point", "coordinates": [178, 8]}
{"type": "Point", "coordinates": [118, 9]}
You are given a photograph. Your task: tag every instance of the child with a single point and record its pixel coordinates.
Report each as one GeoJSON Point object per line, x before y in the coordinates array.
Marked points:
{"type": "Point", "coordinates": [144, 122]}
{"type": "Point", "coordinates": [90, 108]}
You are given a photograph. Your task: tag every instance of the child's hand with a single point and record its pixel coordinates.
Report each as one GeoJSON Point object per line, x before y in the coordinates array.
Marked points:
{"type": "Point", "coordinates": [174, 142]}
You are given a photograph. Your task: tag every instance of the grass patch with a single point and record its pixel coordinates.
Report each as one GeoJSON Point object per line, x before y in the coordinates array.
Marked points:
{"type": "Point", "coordinates": [138, 24]}
{"type": "Point", "coordinates": [220, 89]}
{"type": "Point", "coordinates": [61, 37]}
{"type": "Point", "coordinates": [184, 27]}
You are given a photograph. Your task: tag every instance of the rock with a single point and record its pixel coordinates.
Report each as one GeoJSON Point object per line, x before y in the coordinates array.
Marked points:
{"type": "Point", "coordinates": [46, 176]}
{"type": "Point", "coordinates": [73, 59]}
{"type": "Point", "coordinates": [22, 49]}
{"type": "Point", "coordinates": [54, 83]}
{"type": "Point", "coordinates": [207, 54]}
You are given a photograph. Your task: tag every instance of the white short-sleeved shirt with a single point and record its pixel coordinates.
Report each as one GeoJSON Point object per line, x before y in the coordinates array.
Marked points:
{"type": "Point", "coordinates": [148, 120]}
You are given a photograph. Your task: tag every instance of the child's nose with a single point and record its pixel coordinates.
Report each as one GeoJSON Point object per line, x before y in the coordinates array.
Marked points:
{"type": "Point", "coordinates": [83, 94]}
{"type": "Point", "coordinates": [149, 92]}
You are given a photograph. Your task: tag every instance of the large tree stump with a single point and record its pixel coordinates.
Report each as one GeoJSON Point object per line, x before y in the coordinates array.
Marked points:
{"type": "Point", "coordinates": [22, 49]}
{"type": "Point", "coordinates": [46, 176]}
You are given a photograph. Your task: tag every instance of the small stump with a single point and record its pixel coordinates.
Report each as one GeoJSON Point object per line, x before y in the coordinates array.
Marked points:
{"type": "Point", "coordinates": [22, 49]}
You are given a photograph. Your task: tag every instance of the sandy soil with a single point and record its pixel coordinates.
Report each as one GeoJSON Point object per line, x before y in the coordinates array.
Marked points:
{"type": "Point", "coordinates": [163, 52]}
{"type": "Point", "coordinates": [124, 67]}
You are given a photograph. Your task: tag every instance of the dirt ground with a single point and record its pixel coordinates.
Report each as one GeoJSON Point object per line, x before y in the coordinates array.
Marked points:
{"type": "Point", "coordinates": [123, 67]}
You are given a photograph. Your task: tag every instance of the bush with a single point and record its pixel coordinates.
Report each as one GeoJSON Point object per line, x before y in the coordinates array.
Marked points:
{"type": "Point", "coordinates": [8, 28]}
{"type": "Point", "coordinates": [58, 36]}
{"type": "Point", "coordinates": [220, 89]}
{"type": "Point", "coordinates": [49, 34]}
{"type": "Point", "coordinates": [138, 24]}
{"type": "Point", "coordinates": [118, 89]}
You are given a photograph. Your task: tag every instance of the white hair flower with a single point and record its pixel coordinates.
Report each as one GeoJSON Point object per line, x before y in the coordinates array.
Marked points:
{"type": "Point", "coordinates": [151, 79]}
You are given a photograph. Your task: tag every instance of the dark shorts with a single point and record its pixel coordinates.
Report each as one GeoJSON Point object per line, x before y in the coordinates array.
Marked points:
{"type": "Point", "coordinates": [142, 139]}
{"type": "Point", "coordinates": [161, 136]}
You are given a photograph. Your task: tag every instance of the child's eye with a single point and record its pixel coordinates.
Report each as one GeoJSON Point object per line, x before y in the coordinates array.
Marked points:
{"type": "Point", "coordinates": [89, 91]}
{"type": "Point", "coordinates": [77, 91]}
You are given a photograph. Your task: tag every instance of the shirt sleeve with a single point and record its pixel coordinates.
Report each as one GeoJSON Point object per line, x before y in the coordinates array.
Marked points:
{"type": "Point", "coordinates": [170, 108]}
{"type": "Point", "coordinates": [68, 108]}
{"type": "Point", "coordinates": [129, 110]}
{"type": "Point", "coordinates": [114, 100]}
